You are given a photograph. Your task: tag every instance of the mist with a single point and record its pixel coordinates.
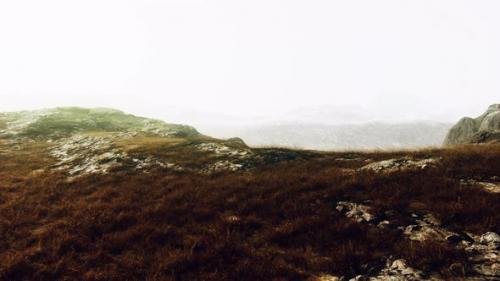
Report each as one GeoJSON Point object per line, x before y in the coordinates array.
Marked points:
{"type": "Point", "coordinates": [392, 60]}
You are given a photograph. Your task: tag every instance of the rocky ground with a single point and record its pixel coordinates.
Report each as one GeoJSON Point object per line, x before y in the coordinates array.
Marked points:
{"type": "Point", "coordinates": [84, 155]}
{"type": "Point", "coordinates": [483, 251]}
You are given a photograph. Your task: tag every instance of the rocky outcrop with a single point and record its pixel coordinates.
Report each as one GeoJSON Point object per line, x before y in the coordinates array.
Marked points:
{"type": "Point", "coordinates": [483, 129]}
{"type": "Point", "coordinates": [400, 164]}
{"type": "Point", "coordinates": [85, 155]}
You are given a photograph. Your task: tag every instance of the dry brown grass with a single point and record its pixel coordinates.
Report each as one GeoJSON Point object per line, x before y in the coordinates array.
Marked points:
{"type": "Point", "coordinates": [148, 143]}
{"type": "Point", "coordinates": [276, 223]}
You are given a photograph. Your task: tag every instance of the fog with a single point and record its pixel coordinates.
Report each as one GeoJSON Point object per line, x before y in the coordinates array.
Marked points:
{"type": "Point", "coordinates": [230, 63]}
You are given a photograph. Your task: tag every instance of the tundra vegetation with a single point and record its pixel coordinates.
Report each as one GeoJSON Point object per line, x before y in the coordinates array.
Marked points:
{"type": "Point", "coordinates": [167, 203]}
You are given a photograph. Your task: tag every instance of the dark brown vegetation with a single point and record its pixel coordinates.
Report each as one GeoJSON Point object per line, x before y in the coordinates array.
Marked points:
{"type": "Point", "coordinates": [276, 223]}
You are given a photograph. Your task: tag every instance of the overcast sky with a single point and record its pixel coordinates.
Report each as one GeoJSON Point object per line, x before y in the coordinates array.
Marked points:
{"type": "Point", "coordinates": [414, 59]}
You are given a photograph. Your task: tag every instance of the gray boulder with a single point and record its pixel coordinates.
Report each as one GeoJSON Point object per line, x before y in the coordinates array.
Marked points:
{"type": "Point", "coordinates": [483, 129]}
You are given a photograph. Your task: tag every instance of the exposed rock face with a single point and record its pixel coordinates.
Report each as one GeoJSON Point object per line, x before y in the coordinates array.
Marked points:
{"type": "Point", "coordinates": [483, 129]}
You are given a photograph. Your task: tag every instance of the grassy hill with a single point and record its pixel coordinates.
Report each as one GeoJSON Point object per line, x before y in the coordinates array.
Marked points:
{"type": "Point", "coordinates": [148, 206]}
{"type": "Point", "coordinates": [69, 120]}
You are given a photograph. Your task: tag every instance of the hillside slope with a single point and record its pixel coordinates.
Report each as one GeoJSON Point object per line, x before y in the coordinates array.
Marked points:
{"type": "Point", "coordinates": [82, 141]}
{"type": "Point", "coordinates": [116, 202]}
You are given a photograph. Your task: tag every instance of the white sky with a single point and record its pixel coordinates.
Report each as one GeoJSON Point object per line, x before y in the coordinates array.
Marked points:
{"type": "Point", "coordinates": [415, 59]}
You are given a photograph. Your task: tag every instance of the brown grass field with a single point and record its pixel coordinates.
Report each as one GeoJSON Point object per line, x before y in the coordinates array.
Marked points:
{"type": "Point", "coordinates": [277, 222]}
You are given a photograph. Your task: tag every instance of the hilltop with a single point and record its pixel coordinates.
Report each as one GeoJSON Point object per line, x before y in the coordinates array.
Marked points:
{"type": "Point", "coordinates": [483, 129]}
{"type": "Point", "coordinates": [66, 121]}
{"type": "Point", "coordinates": [97, 194]}
{"type": "Point", "coordinates": [81, 141]}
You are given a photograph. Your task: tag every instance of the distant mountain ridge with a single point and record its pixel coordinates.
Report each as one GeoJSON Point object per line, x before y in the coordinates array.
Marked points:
{"type": "Point", "coordinates": [483, 129]}
{"type": "Point", "coordinates": [373, 135]}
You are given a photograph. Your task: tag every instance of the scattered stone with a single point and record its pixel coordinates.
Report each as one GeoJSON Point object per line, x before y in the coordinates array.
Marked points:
{"type": "Point", "coordinates": [432, 220]}
{"type": "Point", "coordinates": [149, 162]}
{"type": "Point", "coordinates": [359, 278]}
{"type": "Point", "coordinates": [383, 224]}
{"type": "Point", "coordinates": [394, 165]}
{"type": "Point", "coordinates": [232, 219]}
{"type": "Point", "coordinates": [484, 255]}
{"type": "Point", "coordinates": [427, 227]}
{"type": "Point", "coordinates": [223, 150]}
{"type": "Point", "coordinates": [358, 212]}
{"type": "Point", "coordinates": [398, 270]}
{"type": "Point", "coordinates": [234, 157]}
{"type": "Point", "coordinates": [492, 270]}
{"type": "Point", "coordinates": [490, 237]}
{"type": "Point", "coordinates": [223, 165]}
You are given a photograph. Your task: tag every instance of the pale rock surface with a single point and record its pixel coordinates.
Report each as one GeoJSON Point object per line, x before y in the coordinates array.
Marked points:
{"type": "Point", "coordinates": [398, 270]}
{"type": "Point", "coordinates": [483, 129]}
{"type": "Point", "coordinates": [394, 165]}
{"type": "Point", "coordinates": [490, 186]}
{"type": "Point", "coordinates": [358, 212]}
{"type": "Point", "coordinates": [83, 155]}
{"type": "Point", "coordinates": [234, 158]}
